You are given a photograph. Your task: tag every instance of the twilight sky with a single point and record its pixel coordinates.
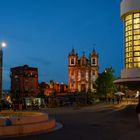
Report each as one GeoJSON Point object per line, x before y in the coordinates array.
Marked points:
{"type": "Point", "coordinates": [41, 33]}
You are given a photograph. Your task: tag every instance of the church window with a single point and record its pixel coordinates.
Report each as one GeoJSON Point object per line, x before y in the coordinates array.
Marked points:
{"type": "Point", "coordinates": [79, 75]}
{"type": "Point", "coordinates": [93, 61]}
{"type": "Point", "coordinates": [87, 75]}
{"type": "Point", "coordinates": [72, 61]}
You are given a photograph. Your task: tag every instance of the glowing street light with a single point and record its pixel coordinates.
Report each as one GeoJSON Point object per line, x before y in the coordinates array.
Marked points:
{"type": "Point", "coordinates": [2, 45]}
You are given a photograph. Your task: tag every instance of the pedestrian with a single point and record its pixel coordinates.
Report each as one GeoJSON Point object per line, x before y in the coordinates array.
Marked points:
{"type": "Point", "coordinates": [138, 110]}
{"type": "Point", "coordinates": [113, 100]}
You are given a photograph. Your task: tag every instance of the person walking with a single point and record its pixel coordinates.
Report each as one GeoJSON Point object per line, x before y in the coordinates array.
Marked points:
{"type": "Point", "coordinates": [138, 110]}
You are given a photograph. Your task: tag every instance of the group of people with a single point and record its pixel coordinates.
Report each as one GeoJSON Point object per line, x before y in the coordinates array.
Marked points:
{"type": "Point", "coordinates": [116, 99]}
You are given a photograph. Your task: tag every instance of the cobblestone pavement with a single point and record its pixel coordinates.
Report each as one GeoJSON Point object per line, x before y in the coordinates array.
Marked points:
{"type": "Point", "coordinates": [98, 122]}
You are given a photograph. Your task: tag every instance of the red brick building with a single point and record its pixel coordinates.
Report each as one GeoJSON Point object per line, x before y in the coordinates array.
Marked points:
{"type": "Point", "coordinates": [24, 81]}
{"type": "Point", "coordinates": [53, 87]}
{"type": "Point", "coordinates": [82, 72]}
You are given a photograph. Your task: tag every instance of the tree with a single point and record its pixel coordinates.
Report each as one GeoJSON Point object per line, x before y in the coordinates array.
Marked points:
{"type": "Point", "coordinates": [105, 85]}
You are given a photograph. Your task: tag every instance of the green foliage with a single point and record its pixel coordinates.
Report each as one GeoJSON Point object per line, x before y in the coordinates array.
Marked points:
{"type": "Point", "coordinates": [91, 97]}
{"type": "Point", "coordinates": [105, 83]}
{"type": "Point", "coordinates": [41, 95]}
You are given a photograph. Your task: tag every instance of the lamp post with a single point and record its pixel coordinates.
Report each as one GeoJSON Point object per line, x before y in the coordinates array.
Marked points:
{"type": "Point", "coordinates": [2, 45]}
{"type": "Point", "coordinates": [105, 71]}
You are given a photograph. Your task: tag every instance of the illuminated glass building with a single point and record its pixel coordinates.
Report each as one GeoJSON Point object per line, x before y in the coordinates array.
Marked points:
{"type": "Point", "coordinates": [130, 15]}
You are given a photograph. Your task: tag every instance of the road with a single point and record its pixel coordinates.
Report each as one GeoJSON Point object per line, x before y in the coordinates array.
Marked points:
{"type": "Point", "coordinates": [99, 122]}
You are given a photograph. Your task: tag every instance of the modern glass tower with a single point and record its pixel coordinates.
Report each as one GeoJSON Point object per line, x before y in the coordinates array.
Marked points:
{"type": "Point", "coordinates": [130, 15]}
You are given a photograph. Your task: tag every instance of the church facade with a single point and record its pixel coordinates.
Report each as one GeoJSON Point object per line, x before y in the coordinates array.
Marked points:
{"type": "Point", "coordinates": [82, 72]}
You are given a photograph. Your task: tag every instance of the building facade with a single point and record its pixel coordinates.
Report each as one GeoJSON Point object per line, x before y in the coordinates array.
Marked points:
{"type": "Point", "coordinates": [82, 72]}
{"type": "Point", "coordinates": [51, 88]}
{"type": "Point", "coordinates": [24, 82]}
{"type": "Point", "coordinates": [130, 15]}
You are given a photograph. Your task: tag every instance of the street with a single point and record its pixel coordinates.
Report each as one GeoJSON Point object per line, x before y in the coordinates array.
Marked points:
{"type": "Point", "coordinates": [99, 122]}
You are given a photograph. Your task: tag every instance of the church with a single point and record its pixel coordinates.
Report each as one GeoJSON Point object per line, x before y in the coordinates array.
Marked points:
{"type": "Point", "coordinates": [82, 72]}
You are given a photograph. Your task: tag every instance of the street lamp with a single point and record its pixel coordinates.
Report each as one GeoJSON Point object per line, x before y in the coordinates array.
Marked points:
{"type": "Point", "coordinates": [2, 45]}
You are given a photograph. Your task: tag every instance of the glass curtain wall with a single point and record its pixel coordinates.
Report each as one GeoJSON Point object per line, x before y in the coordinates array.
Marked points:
{"type": "Point", "coordinates": [132, 40]}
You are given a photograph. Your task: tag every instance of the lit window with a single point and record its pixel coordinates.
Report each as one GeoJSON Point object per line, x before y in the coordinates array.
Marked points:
{"type": "Point", "coordinates": [128, 28]}
{"type": "Point", "coordinates": [136, 32]}
{"type": "Point", "coordinates": [137, 20]}
{"type": "Point", "coordinates": [126, 50]}
{"type": "Point", "coordinates": [130, 65]}
{"type": "Point", "coordinates": [129, 54]}
{"type": "Point", "coordinates": [136, 15]}
{"type": "Point", "coordinates": [136, 37]}
{"type": "Point", "coordinates": [136, 59]}
{"type": "Point", "coordinates": [136, 26]}
{"type": "Point", "coordinates": [87, 75]}
{"type": "Point", "coordinates": [129, 22]}
{"type": "Point", "coordinates": [130, 43]}
{"type": "Point", "coordinates": [136, 65]}
{"type": "Point", "coordinates": [136, 48]}
{"type": "Point", "coordinates": [137, 42]}
{"type": "Point", "coordinates": [128, 17]}
{"type": "Point", "coordinates": [136, 53]}
{"type": "Point", "coordinates": [126, 65]}
{"type": "Point", "coordinates": [79, 75]}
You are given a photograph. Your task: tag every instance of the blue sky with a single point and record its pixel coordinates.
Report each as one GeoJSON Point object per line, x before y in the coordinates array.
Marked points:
{"type": "Point", "coordinates": [41, 33]}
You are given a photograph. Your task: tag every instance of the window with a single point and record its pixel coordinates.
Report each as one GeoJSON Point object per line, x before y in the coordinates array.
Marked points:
{"type": "Point", "coordinates": [87, 75]}
{"type": "Point", "coordinates": [79, 75]}
{"type": "Point", "coordinates": [132, 40]}
{"type": "Point", "coordinates": [136, 53]}
{"type": "Point", "coordinates": [136, 59]}
{"type": "Point", "coordinates": [137, 42]}
{"type": "Point", "coordinates": [136, 15]}
{"type": "Point", "coordinates": [136, 37]}
{"type": "Point", "coordinates": [129, 17]}
{"type": "Point", "coordinates": [136, 48]}
{"type": "Point", "coordinates": [72, 61]}
{"type": "Point", "coordinates": [93, 61]}
{"type": "Point", "coordinates": [136, 26]}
